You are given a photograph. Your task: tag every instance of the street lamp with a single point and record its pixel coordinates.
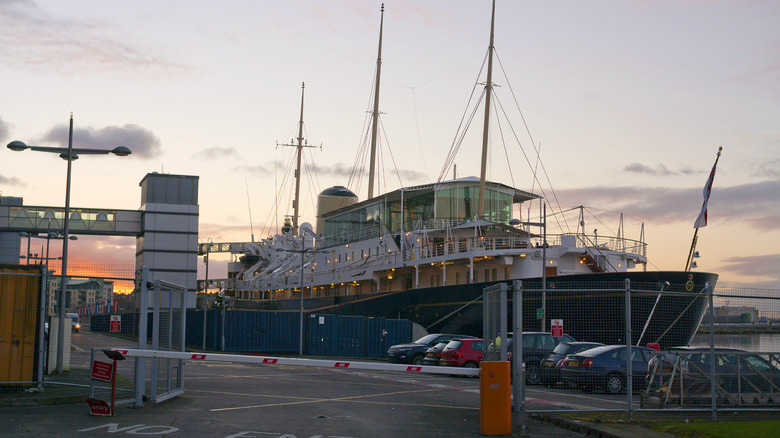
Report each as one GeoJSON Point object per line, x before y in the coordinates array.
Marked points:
{"type": "Point", "coordinates": [303, 251]}
{"type": "Point", "coordinates": [50, 235]}
{"type": "Point", "coordinates": [70, 153]}
{"type": "Point", "coordinates": [27, 235]}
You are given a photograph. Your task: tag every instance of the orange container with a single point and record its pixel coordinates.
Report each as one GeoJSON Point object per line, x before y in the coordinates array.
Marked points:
{"type": "Point", "coordinates": [495, 401]}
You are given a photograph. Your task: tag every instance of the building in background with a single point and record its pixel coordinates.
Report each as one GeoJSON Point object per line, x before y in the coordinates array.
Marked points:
{"type": "Point", "coordinates": [88, 296]}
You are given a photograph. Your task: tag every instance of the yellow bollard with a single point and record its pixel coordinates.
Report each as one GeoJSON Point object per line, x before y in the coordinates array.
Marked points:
{"type": "Point", "coordinates": [495, 402]}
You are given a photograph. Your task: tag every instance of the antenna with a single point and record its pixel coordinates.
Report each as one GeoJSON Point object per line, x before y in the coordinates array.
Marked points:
{"type": "Point", "coordinates": [249, 206]}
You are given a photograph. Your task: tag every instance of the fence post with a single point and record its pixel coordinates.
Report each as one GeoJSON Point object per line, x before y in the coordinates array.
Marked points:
{"type": "Point", "coordinates": [140, 365]}
{"type": "Point", "coordinates": [629, 371]}
{"type": "Point", "coordinates": [518, 388]}
{"type": "Point", "coordinates": [42, 324]}
{"type": "Point", "coordinates": [502, 321]}
{"type": "Point", "coordinates": [713, 398]}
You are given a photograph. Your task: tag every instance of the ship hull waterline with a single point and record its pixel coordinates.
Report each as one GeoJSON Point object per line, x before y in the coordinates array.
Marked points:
{"type": "Point", "coordinates": [592, 306]}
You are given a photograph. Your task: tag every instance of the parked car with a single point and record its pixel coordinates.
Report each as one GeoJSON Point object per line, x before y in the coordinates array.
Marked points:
{"type": "Point", "coordinates": [414, 353]}
{"type": "Point", "coordinates": [433, 354]}
{"type": "Point", "coordinates": [463, 353]}
{"type": "Point", "coordinates": [736, 371]}
{"type": "Point", "coordinates": [550, 367]}
{"type": "Point", "coordinates": [74, 321]}
{"type": "Point", "coordinates": [605, 367]}
{"type": "Point", "coordinates": [536, 346]}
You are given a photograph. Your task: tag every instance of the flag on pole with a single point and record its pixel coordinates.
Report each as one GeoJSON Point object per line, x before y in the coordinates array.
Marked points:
{"type": "Point", "coordinates": [701, 221]}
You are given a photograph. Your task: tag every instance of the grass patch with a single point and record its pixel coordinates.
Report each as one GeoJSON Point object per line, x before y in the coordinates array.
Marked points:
{"type": "Point", "coordinates": [726, 429]}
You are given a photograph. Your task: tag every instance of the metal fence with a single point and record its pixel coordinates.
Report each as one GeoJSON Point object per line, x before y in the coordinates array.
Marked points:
{"type": "Point", "coordinates": [665, 347]}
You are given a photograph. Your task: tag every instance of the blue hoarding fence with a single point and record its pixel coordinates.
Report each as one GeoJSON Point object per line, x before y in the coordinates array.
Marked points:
{"type": "Point", "coordinates": [278, 332]}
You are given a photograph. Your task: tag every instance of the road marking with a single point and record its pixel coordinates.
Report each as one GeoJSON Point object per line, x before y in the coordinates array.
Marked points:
{"type": "Point", "coordinates": [351, 399]}
{"type": "Point", "coordinates": [414, 381]}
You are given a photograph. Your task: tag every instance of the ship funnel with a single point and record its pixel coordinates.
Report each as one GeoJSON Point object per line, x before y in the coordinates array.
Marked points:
{"type": "Point", "coordinates": [332, 199]}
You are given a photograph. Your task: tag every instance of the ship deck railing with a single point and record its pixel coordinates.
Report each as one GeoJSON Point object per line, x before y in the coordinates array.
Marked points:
{"type": "Point", "coordinates": [427, 252]}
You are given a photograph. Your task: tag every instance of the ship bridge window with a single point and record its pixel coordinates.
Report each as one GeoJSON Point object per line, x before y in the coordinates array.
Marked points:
{"type": "Point", "coordinates": [359, 224]}
{"type": "Point", "coordinates": [418, 210]}
{"type": "Point", "coordinates": [461, 203]}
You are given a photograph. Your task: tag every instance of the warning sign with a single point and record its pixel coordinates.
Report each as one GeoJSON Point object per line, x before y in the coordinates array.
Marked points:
{"type": "Point", "coordinates": [98, 407]}
{"type": "Point", "coordinates": [116, 323]}
{"type": "Point", "coordinates": [556, 327]}
{"type": "Point", "coordinates": [102, 371]}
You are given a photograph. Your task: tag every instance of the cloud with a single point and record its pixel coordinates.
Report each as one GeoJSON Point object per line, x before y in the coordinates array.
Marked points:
{"type": "Point", "coordinates": [4, 129]}
{"type": "Point", "coordinates": [761, 270]}
{"type": "Point", "coordinates": [660, 169]}
{"type": "Point", "coordinates": [260, 170]}
{"type": "Point", "coordinates": [768, 169]}
{"type": "Point", "coordinates": [12, 181]}
{"type": "Point", "coordinates": [754, 205]}
{"type": "Point", "coordinates": [337, 170]}
{"type": "Point", "coordinates": [216, 152]}
{"type": "Point", "coordinates": [142, 142]}
{"type": "Point", "coordinates": [754, 266]}
{"type": "Point", "coordinates": [34, 40]}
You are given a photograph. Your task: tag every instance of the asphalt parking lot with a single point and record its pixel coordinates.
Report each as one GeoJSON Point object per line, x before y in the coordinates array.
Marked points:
{"type": "Point", "coordinates": [245, 400]}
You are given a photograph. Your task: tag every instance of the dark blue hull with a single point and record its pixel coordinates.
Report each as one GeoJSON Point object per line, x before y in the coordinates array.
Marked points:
{"type": "Point", "coordinates": [592, 306]}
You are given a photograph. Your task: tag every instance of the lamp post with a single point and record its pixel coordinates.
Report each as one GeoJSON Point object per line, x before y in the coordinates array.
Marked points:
{"type": "Point", "coordinates": [70, 153]}
{"type": "Point", "coordinates": [303, 251]}
{"type": "Point", "coordinates": [50, 235]}
{"type": "Point", "coordinates": [206, 293]}
{"type": "Point", "coordinates": [28, 236]}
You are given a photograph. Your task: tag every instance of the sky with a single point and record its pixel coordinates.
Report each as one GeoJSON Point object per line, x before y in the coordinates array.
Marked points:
{"type": "Point", "coordinates": [626, 100]}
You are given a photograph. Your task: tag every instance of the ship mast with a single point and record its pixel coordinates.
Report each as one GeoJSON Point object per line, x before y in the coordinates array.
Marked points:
{"type": "Point", "coordinates": [486, 127]}
{"type": "Point", "coordinates": [375, 113]}
{"type": "Point", "coordinates": [300, 145]}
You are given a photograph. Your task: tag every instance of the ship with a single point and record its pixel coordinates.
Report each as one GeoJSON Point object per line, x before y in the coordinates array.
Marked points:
{"type": "Point", "coordinates": [427, 252]}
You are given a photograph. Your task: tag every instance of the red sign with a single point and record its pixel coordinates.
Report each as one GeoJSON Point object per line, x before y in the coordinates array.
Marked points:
{"type": "Point", "coordinates": [102, 371]}
{"type": "Point", "coordinates": [116, 323]}
{"type": "Point", "coordinates": [98, 407]}
{"type": "Point", "coordinates": [556, 327]}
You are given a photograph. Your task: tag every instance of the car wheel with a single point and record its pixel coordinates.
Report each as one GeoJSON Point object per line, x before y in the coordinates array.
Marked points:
{"type": "Point", "coordinates": [470, 365]}
{"type": "Point", "coordinates": [614, 384]}
{"type": "Point", "coordinates": [532, 373]}
{"type": "Point", "coordinates": [417, 359]}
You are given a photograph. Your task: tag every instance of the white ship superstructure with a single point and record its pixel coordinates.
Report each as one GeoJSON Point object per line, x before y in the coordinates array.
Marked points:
{"type": "Point", "coordinates": [422, 236]}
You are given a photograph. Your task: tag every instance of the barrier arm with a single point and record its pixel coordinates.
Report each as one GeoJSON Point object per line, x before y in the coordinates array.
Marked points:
{"type": "Point", "coordinates": [321, 363]}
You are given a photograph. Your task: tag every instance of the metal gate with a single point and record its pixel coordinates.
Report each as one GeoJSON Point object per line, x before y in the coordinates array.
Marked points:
{"type": "Point", "coordinates": [167, 304]}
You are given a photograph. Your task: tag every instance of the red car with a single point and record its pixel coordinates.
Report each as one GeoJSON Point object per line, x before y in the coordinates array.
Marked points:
{"type": "Point", "coordinates": [462, 353]}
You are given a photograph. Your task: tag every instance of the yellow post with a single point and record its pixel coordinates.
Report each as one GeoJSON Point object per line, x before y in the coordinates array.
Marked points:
{"type": "Point", "coordinates": [495, 402]}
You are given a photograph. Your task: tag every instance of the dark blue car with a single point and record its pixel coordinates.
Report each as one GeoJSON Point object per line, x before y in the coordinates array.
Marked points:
{"type": "Point", "coordinates": [414, 353]}
{"type": "Point", "coordinates": [550, 368]}
{"type": "Point", "coordinates": [606, 367]}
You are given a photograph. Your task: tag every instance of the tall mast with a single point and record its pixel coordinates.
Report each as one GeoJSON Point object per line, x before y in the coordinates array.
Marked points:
{"type": "Point", "coordinates": [375, 114]}
{"type": "Point", "coordinates": [300, 145]}
{"type": "Point", "coordinates": [298, 168]}
{"type": "Point", "coordinates": [486, 127]}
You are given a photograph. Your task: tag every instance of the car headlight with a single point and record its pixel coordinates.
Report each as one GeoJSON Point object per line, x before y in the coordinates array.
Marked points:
{"type": "Point", "coordinates": [77, 326]}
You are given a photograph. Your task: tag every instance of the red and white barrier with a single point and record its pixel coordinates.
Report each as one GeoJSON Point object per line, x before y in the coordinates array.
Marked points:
{"type": "Point", "coordinates": [322, 363]}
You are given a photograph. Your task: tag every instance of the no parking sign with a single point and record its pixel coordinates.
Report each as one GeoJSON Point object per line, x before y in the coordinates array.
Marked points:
{"type": "Point", "coordinates": [116, 323]}
{"type": "Point", "coordinates": [556, 327]}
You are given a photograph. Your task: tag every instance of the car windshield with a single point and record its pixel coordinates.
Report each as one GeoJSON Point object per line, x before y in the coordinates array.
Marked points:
{"type": "Point", "coordinates": [441, 345]}
{"type": "Point", "coordinates": [562, 348]}
{"type": "Point", "coordinates": [581, 347]}
{"type": "Point", "coordinates": [758, 363]}
{"type": "Point", "coordinates": [454, 345]}
{"type": "Point", "coordinates": [427, 339]}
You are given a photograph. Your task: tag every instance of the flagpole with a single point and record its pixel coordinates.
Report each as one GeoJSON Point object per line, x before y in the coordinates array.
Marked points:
{"type": "Point", "coordinates": [690, 253]}
{"type": "Point", "coordinates": [696, 225]}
